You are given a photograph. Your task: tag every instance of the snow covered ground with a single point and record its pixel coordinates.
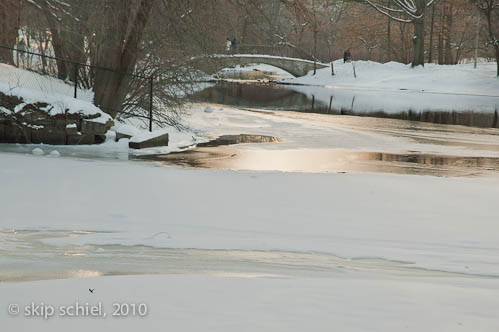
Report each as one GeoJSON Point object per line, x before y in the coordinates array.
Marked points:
{"type": "Point", "coordinates": [35, 88]}
{"type": "Point", "coordinates": [262, 303]}
{"type": "Point", "coordinates": [395, 87]}
{"type": "Point", "coordinates": [449, 79]}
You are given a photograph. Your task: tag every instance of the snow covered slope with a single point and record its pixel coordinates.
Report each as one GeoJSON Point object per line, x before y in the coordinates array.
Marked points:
{"type": "Point", "coordinates": [452, 79]}
{"type": "Point", "coordinates": [33, 88]}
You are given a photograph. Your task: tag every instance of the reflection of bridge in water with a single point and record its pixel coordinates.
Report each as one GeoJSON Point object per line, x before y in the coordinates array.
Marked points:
{"type": "Point", "coordinates": [214, 63]}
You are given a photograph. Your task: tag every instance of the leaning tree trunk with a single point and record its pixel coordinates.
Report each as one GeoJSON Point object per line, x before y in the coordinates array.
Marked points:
{"type": "Point", "coordinates": [118, 52]}
{"type": "Point", "coordinates": [9, 25]}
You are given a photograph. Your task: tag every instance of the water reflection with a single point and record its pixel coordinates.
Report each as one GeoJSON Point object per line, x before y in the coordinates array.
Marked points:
{"type": "Point", "coordinates": [331, 160]}
{"type": "Point", "coordinates": [265, 96]}
{"type": "Point", "coordinates": [466, 110]}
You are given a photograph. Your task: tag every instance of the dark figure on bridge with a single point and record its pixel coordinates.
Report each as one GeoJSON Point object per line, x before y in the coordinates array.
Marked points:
{"type": "Point", "coordinates": [233, 45]}
{"type": "Point", "coordinates": [347, 56]}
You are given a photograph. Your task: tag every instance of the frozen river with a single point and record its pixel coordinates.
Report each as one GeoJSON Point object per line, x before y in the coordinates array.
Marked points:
{"type": "Point", "coordinates": [29, 255]}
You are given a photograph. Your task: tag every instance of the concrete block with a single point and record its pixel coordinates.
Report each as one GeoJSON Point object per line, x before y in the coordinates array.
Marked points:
{"type": "Point", "coordinates": [121, 135]}
{"type": "Point", "coordinates": [161, 140]}
{"type": "Point", "coordinates": [96, 128]}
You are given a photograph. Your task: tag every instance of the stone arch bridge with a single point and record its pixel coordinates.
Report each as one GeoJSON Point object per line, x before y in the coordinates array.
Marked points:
{"type": "Point", "coordinates": [214, 63]}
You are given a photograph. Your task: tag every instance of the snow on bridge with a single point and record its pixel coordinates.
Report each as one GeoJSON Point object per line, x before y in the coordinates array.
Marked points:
{"type": "Point", "coordinates": [214, 63]}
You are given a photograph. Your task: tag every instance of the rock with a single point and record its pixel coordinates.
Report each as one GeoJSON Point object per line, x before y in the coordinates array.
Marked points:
{"type": "Point", "coordinates": [38, 152]}
{"type": "Point", "coordinates": [161, 140]}
{"type": "Point", "coordinates": [209, 109]}
{"type": "Point", "coordinates": [33, 123]}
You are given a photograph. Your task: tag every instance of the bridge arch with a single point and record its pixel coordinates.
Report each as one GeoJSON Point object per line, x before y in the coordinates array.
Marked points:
{"type": "Point", "coordinates": [296, 67]}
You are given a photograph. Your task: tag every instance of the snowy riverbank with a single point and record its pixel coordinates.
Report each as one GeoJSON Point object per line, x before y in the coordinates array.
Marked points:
{"type": "Point", "coordinates": [395, 76]}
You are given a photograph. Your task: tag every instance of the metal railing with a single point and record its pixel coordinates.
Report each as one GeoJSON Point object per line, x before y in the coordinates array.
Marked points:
{"type": "Point", "coordinates": [77, 79]}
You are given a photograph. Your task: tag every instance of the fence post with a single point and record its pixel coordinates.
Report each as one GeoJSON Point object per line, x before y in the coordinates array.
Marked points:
{"type": "Point", "coordinates": [151, 86]}
{"type": "Point", "coordinates": [76, 80]}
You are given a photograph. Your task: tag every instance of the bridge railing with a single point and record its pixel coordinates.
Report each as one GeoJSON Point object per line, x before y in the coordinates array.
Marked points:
{"type": "Point", "coordinates": [276, 50]}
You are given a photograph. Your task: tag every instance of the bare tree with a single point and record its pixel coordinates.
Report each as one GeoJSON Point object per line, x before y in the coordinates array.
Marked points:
{"type": "Point", "coordinates": [490, 10]}
{"type": "Point", "coordinates": [411, 12]}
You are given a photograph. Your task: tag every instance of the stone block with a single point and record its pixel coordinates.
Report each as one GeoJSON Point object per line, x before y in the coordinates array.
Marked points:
{"type": "Point", "coordinates": [161, 140]}
{"type": "Point", "coordinates": [71, 129]}
{"type": "Point", "coordinates": [35, 136]}
{"type": "Point", "coordinates": [14, 134]}
{"type": "Point", "coordinates": [2, 131]}
{"type": "Point", "coordinates": [80, 139]}
{"type": "Point", "coordinates": [49, 136]}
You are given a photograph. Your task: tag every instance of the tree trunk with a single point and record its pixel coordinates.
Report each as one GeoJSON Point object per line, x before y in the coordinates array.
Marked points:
{"type": "Point", "coordinates": [430, 55]}
{"type": "Point", "coordinates": [57, 44]}
{"type": "Point", "coordinates": [9, 25]}
{"type": "Point", "coordinates": [497, 59]}
{"type": "Point", "coordinates": [494, 39]}
{"type": "Point", "coordinates": [389, 37]}
{"type": "Point", "coordinates": [441, 39]}
{"type": "Point", "coordinates": [419, 35]}
{"type": "Point", "coordinates": [418, 43]}
{"type": "Point", "coordinates": [119, 52]}
{"type": "Point", "coordinates": [448, 33]}
{"type": "Point", "coordinates": [315, 49]}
